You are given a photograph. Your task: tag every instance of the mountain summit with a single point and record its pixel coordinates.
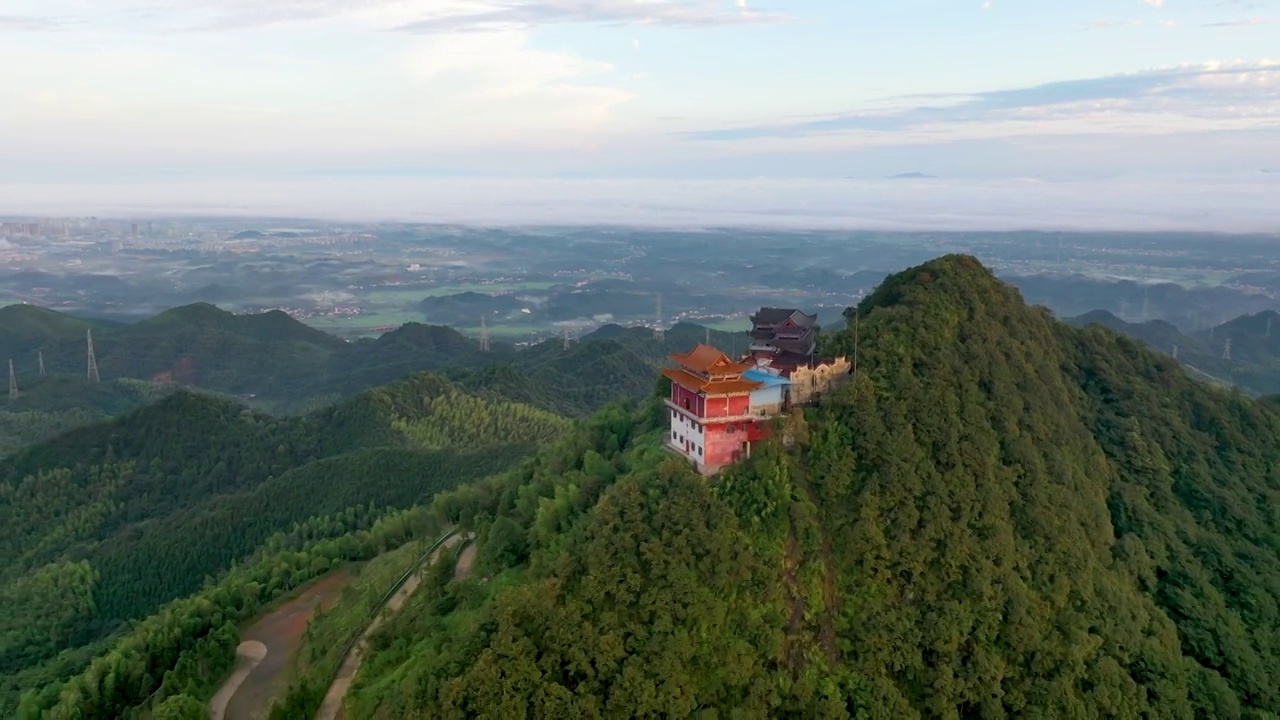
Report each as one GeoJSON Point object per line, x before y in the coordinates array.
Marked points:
{"type": "Point", "coordinates": [1001, 515]}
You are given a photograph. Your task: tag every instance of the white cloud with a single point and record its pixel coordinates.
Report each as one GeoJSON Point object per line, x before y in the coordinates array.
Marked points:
{"type": "Point", "coordinates": [1247, 22]}
{"type": "Point", "coordinates": [495, 78]}
{"type": "Point", "coordinates": [1154, 3]}
{"type": "Point", "coordinates": [520, 14]}
{"type": "Point", "coordinates": [1192, 98]}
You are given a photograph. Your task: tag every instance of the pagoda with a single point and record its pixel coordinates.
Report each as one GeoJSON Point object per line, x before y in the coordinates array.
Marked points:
{"type": "Point", "coordinates": [784, 339]}
{"type": "Point", "coordinates": [719, 407]}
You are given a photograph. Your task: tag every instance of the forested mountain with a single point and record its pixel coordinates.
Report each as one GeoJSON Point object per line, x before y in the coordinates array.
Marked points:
{"type": "Point", "coordinates": [47, 406]}
{"type": "Point", "coordinates": [1189, 308]}
{"type": "Point", "coordinates": [1251, 362]}
{"type": "Point", "coordinates": [1001, 515]}
{"type": "Point", "coordinates": [104, 524]}
{"type": "Point", "coordinates": [279, 364]}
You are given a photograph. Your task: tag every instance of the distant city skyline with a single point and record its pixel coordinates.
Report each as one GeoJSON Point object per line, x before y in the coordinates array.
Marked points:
{"type": "Point", "coordinates": [126, 91]}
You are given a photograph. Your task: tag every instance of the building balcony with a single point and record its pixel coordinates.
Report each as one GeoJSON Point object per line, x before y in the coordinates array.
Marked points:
{"type": "Point", "coordinates": [762, 412]}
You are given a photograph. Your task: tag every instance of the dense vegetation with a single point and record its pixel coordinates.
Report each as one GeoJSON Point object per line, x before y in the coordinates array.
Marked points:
{"type": "Point", "coordinates": [106, 523]}
{"type": "Point", "coordinates": [1001, 515]}
{"type": "Point", "coordinates": [51, 405]}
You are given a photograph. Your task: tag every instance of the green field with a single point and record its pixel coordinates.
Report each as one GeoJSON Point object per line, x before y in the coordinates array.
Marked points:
{"type": "Point", "coordinates": [739, 324]}
{"type": "Point", "coordinates": [418, 293]}
{"type": "Point", "coordinates": [362, 324]}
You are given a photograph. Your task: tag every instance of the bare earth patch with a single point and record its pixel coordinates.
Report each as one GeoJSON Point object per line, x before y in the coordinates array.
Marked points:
{"type": "Point", "coordinates": [248, 654]}
{"type": "Point", "coordinates": [279, 633]}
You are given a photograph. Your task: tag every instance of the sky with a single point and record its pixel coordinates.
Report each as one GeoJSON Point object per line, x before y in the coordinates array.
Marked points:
{"type": "Point", "coordinates": [102, 93]}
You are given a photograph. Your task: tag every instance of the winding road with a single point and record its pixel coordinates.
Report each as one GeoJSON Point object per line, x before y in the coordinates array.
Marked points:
{"type": "Point", "coordinates": [331, 709]}
{"type": "Point", "coordinates": [248, 654]}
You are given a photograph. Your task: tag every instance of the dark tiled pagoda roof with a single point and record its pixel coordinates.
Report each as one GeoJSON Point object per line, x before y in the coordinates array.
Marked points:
{"type": "Point", "coordinates": [777, 316]}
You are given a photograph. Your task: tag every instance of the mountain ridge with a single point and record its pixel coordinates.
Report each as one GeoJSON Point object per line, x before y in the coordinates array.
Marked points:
{"type": "Point", "coordinates": [1001, 514]}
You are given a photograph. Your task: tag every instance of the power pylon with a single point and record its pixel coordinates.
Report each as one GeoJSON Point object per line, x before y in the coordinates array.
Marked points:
{"type": "Point", "coordinates": [41, 363]}
{"type": "Point", "coordinates": [1175, 352]}
{"type": "Point", "coordinates": [1226, 350]}
{"type": "Point", "coordinates": [566, 337]}
{"type": "Point", "coordinates": [484, 335]}
{"type": "Point", "coordinates": [13, 382]}
{"type": "Point", "coordinates": [658, 330]}
{"type": "Point", "coordinates": [92, 372]}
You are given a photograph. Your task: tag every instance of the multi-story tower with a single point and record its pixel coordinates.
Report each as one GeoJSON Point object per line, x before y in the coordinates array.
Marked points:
{"type": "Point", "coordinates": [784, 338]}
{"type": "Point", "coordinates": [719, 407]}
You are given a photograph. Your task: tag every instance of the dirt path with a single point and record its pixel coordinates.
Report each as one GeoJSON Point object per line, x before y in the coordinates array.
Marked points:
{"type": "Point", "coordinates": [248, 655]}
{"type": "Point", "coordinates": [262, 658]}
{"type": "Point", "coordinates": [331, 709]}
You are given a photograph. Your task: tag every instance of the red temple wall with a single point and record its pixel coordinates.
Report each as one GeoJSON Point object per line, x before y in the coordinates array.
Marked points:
{"type": "Point", "coordinates": [727, 406]}
{"type": "Point", "coordinates": [721, 446]}
{"type": "Point", "coordinates": [681, 394]}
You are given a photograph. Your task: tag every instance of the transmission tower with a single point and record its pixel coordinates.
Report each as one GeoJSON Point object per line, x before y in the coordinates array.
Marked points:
{"type": "Point", "coordinates": [1226, 350]}
{"type": "Point", "coordinates": [1145, 315]}
{"type": "Point", "coordinates": [658, 331]}
{"type": "Point", "coordinates": [13, 382]}
{"type": "Point", "coordinates": [708, 340]}
{"type": "Point", "coordinates": [93, 362]}
{"type": "Point", "coordinates": [566, 337]}
{"type": "Point", "coordinates": [484, 335]}
{"type": "Point", "coordinates": [41, 363]}
{"type": "Point", "coordinates": [1175, 352]}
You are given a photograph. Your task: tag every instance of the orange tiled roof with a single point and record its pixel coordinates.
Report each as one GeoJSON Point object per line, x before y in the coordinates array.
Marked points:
{"type": "Point", "coordinates": [705, 358]}
{"type": "Point", "coordinates": [711, 387]}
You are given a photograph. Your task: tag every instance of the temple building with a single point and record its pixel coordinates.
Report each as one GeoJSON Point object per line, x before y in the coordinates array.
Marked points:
{"type": "Point", "coordinates": [784, 342]}
{"type": "Point", "coordinates": [784, 339]}
{"type": "Point", "coordinates": [719, 407]}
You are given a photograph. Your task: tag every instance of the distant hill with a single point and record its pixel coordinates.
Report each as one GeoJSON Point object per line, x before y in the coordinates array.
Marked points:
{"type": "Point", "coordinates": [284, 365]}
{"type": "Point", "coordinates": [1254, 363]}
{"type": "Point", "coordinates": [1189, 309]}
{"type": "Point", "coordinates": [463, 309]}
{"type": "Point", "coordinates": [55, 404]}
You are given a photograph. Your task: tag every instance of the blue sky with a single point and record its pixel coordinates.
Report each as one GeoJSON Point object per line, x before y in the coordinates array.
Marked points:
{"type": "Point", "coordinates": [145, 89]}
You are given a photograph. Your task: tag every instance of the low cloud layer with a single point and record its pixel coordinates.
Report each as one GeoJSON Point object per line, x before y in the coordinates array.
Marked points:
{"type": "Point", "coordinates": [1190, 203]}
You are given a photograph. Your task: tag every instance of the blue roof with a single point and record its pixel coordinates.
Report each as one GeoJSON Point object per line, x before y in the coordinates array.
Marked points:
{"type": "Point", "coordinates": [768, 379]}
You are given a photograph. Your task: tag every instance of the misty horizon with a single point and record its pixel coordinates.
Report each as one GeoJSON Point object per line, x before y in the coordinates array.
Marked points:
{"type": "Point", "coordinates": [1237, 204]}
